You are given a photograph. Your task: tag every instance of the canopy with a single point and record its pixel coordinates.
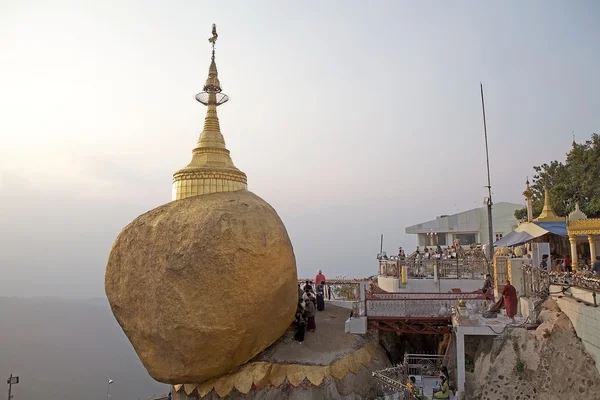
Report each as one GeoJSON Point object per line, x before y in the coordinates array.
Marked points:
{"type": "Point", "coordinates": [531, 230]}
{"type": "Point", "coordinates": [514, 238]}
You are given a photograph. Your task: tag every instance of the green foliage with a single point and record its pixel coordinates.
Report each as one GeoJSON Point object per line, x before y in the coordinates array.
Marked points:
{"type": "Point", "coordinates": [571, 182]}
{"type": "Point", "coordinates": [469, 364]}
{"type": "Point", "coordinates": [520, 367]}
{"type": "Point", "coordinates": [521, 214]}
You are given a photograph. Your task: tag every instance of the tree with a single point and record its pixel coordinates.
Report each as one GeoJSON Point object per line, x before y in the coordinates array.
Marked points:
{"type": "Point", "coordinates": [577, 180]}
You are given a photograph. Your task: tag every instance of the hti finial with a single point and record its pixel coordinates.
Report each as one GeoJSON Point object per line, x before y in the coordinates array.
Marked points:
{"type": "Point", "coordinates": [213, 39]}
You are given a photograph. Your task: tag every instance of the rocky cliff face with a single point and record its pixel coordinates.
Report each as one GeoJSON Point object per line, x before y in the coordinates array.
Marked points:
{"type": "Point", "coordinates": [547, 363]}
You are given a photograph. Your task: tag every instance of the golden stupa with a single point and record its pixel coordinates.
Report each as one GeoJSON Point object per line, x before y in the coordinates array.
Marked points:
{"type": "Point", "coordinates": [211, 169]}
{"type": "Point", "coordinates": [203, 284]}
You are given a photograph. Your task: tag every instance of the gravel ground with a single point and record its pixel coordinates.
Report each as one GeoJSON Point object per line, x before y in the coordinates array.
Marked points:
{"type": "Point", "coordinates": [328, 343]}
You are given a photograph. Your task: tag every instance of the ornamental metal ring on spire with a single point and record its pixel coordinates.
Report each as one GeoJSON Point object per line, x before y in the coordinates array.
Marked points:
{"type": "Point", "coordinates": [211, 93]}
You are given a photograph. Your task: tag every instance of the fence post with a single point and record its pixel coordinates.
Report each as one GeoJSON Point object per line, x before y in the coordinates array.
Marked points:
{"type": "Point", "coordinates": [457, 269]}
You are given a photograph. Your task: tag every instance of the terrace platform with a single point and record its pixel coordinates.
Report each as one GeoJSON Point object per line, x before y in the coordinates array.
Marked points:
{"type": "Point", "coordinates": [471, 322]}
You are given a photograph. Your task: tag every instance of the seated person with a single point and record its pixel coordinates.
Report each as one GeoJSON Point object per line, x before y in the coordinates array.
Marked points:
{"type": "Point", "coordinates": [444, 391]}
{"type": "Point", "coordinates": [412, 385]}
{"type": "Point", "coordinates": [447, 375]}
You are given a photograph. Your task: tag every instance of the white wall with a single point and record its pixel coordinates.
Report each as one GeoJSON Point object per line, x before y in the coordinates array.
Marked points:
{"type": "Point", "coordinates": [503, 220]}
{"type": "Point", "coordinates": [471, 221]}
{"type": "Point", "coordinates": [586, 321]}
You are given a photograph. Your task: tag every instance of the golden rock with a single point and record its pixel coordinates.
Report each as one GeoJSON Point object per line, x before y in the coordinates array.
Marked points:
{"type": "Point", "coordinates": [202, 285]}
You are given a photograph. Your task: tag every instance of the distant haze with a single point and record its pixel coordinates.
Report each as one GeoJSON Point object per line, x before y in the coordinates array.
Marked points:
{"type": "Point", "coordinates": [351, 118]}
{"type": "Point", "coordinates": [67, 350]}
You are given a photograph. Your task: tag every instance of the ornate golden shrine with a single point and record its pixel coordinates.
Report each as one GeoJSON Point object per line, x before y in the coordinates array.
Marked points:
{"type": "Point", "coordinates": [583, 226]}
{"type": "Point", "coordinates": [211, 169]}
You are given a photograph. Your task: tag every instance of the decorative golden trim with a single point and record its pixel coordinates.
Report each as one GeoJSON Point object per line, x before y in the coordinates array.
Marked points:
{"type": "Point", "coordinates": [590, 226]}
{"type": "Point", "coordinates": [261, 374]}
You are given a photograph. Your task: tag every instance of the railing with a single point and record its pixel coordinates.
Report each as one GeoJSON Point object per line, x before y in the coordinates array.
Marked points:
{"type": "Point", "coordinates": [339, 288]}
{"type": "Point", "coordinates": [466, 268]}
{"type": "Point", "coordinates": [391, 384]}
{"type": "Point", "coordinates": [424, 365]}
{"type": "Point", "coordinates": [500, 272]}
{"type": "Point", "coordinates": [537, 281]}
{"type": "Point", "coordinates": [420, 306]}
{"type": "Point", "coordinates": [391, 268]}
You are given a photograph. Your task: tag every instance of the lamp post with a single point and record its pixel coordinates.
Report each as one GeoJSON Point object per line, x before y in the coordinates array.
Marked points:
{"type": "Point", "coordinates": [110, 381]}
{"type": "Point", "coordinates": [12, 380]}
{"type": "Point", "coordinates": [432, 236]}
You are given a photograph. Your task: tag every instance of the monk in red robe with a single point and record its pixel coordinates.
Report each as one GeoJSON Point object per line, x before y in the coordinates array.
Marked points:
{"type": "Point", "coordinates": [510, 300]}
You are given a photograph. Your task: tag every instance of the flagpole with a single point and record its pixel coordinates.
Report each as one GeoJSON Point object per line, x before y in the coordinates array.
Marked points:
{"type": "Point", "coordinates": [489, 185]}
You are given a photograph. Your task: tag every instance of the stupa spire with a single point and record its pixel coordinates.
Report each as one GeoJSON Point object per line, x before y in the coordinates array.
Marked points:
{"type": "Point", "coordinates": [547, 214]}
{"type": "Point", "coordinates": [211, 169]}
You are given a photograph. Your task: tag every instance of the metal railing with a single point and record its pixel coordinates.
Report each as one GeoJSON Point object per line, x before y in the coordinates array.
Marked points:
{"type": "Point", "coordinates": [536, 281]}
{"type": "Point", "coordinates": [448, 269]}
{"type": "Point", "coordinates": [391, 384]}
{"type": "Point", "coordinates": [424, 365]}
{"type": "Point", "coordinates": [419, 307]}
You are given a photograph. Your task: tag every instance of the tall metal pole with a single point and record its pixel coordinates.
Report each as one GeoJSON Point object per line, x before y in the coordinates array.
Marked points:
{"type": "Point", "coordinates": [9, 387]}
{"type": "Point", "coordinates": [489, 185]}
{"type": "Point", "coordinates": [381, 245]}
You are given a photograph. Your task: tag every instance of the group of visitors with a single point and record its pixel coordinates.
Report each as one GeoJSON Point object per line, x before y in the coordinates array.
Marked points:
{"type": "Point", "coordinates": [310, 300]}
{"type": "Point", "coordinates": [438, 252]}
{"type": "Point", "coordinates": [440, 391]}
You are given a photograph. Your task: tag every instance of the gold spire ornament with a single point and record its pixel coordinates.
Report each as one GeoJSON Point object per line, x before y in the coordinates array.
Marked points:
{"type": "Point", "coordinates": [211, 169]}
{"type": "Point", "coordinates": [547, 214]}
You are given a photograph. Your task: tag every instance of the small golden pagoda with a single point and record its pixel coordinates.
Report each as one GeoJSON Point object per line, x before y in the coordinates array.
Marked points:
{"type": "Point", "coordinates": [211, 169]}
{"type": "Point", "coordinates": [548, 214]}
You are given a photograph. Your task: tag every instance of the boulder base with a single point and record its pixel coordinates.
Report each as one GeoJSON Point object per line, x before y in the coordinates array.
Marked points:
{"type": "Point", "coordinates": [330, 364]}
{"type": "Point", "coordinates": [202, 285]}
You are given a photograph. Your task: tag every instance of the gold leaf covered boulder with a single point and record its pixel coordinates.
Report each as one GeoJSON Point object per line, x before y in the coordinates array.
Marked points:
{"type": "Point", "coordinates": [202, 285]}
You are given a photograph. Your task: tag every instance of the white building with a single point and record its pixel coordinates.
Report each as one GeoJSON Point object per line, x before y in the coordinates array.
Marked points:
{"type": "Point", "coordinates": [468, 226]}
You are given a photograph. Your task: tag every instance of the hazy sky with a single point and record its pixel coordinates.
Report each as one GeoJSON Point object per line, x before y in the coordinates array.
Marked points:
{"type": "Point", "coordinates": [351, 118]}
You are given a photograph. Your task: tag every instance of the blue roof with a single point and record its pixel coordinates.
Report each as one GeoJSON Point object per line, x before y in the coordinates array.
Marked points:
{"type": "Point", "coordinates": [557, 228]}
{"type": "Point", "coordinates": [513, 239]}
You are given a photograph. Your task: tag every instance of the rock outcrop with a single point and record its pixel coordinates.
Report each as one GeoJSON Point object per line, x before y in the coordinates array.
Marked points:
{"type": "Point", "coordinates": [202, 285]}
{"type": "Point", "coordinates": [547, 363]}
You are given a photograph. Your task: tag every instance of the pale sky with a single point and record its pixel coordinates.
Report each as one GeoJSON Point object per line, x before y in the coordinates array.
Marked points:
{"type": "Point", "coordinates": [351, 118]}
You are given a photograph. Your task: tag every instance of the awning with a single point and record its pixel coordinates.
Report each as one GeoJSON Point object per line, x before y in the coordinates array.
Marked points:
{"type": "Point", "coordinates": [514, 238]}
{"type": "Point", "coordinates": [556, 228]}
{"type": "Point", "coordinates": [531, 230]}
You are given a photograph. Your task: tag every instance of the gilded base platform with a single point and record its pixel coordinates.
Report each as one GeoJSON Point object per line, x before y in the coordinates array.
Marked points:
{"type": "Point", "coordinates": [330, 364]}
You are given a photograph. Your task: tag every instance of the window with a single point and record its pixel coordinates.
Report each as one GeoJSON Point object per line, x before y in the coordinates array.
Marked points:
{"type": "Point", "coordinates": [498, 236]}
{"type": "Point", "coordinates": [466, 239]}
{"type": "Point", "coordinates": [441, 239]}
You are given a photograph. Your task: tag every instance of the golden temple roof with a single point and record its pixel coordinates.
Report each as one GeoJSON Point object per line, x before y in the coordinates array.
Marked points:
{"type": "Point", "coordinates": [211, 169]}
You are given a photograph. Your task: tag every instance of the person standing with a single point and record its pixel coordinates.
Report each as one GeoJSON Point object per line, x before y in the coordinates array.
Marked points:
{"type": "Point", "coordinates": [510, 300]}
{"type": "Point", "coordinates": [300, 325]}
{"type": "Point", "coordinates": [310, 314]}
{"type": "Point", "coordinates": [321, 296]}
{"type": "Point", "coordinates": [568, 264]}
{"type": "Point", "coordinates": [300, 293]}
{"type": "Point", "coordinates": [544, 263]}
{"type": "Point", "coordinates": [487, 287]}
{"type": "Point", "coordinates": [596, 267]}
{"type": "Point", "coordinates": [319, 278]}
